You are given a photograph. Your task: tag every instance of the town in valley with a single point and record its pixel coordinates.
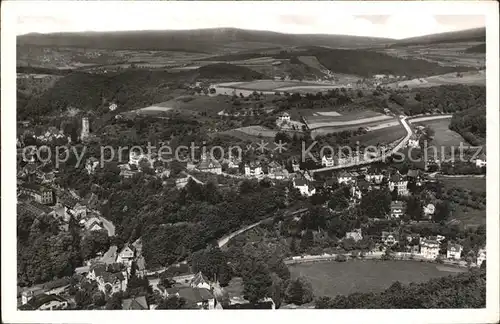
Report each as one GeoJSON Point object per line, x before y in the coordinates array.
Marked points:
{"type": "Point", "coordinates": [225, 168]}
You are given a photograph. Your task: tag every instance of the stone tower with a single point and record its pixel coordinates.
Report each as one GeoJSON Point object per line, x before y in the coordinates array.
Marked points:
{"type": "Point", "coordinates": [85, 128]}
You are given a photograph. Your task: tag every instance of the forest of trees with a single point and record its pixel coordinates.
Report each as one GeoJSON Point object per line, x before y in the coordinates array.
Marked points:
{"type": "Point", "coordinates": [446, 99]}
{"type": "Point", "coordinates": [44, 251]}
{"type": "Point", "coordinates": [471, 124]}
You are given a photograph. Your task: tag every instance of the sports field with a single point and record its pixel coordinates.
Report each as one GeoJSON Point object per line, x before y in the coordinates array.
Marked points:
{"type": "Point", "coordinates": [343, 278]}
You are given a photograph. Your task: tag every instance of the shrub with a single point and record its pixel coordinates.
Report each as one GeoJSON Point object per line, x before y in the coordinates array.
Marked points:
{"type": "Point", "coordinates": [340, 258]}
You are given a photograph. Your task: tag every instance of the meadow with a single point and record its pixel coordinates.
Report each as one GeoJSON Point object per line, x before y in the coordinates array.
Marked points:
{"type": "Point", "coordinates": [269, 85]}
{"type": "Point", "coordinates": [470, 183]}
{"type": "Point", "coordinates": [253, 134]}
{"type": "Point", "coordinates": [468, 78]}
{"type": "Point", "coordinates": [343, 278]}
{"type": "Point", "coordinates": [467, 216]}
{"type": "Point", "coordinates": [341, 121]}
{"type": "Point", "coordinates": [380, 136]}
{"type": "Point", "coordinates": [443, 136]}
{"type": "Point", "coordinates": [312, 61]}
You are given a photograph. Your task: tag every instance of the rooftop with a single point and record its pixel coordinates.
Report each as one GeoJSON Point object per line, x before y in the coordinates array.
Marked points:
{"type": "Point", "coordinates": [136, 303]}
{"type": "Point", "coordinates": [37, 301]}
{"type": "Point", "coordinates": [195, 295]}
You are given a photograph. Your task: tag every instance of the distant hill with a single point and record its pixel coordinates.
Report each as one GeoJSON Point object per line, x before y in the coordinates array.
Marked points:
{"type": "Point", "coordinates": [368, 63]}
{"type": "Point", "coordinates": [130, 89]}
{"type": "Point", "coordinates": [199, 40]}
{"type": "Point", "coordinates": [475, 34]}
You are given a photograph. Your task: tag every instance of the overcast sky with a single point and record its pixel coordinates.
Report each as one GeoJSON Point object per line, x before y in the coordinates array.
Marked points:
{"type": "Point", "coordinates": [286, 17]}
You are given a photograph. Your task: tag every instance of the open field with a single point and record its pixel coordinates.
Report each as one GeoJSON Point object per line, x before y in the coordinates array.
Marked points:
{"type": "Point", "coordinates": [257, 131]}
{"type": "Point", "coordinates": [378, 126]}
{"type": "Point", "coordinates": [312, 61]}
{"type": "Point", "coordinates": [470, 183]}
{"type": "Point", "coordinates": [268, 85]}
{"type": "Point", "coordinates": [327, 113]}
{"type": "Point", "coordinates": [446, 54]}
{"type": "Point", "coordinates": [343, 278]}
{"type": "Point", "coordinates": [310, 88]}
{"type": "Point", "coordinates": [443, 137]}
{"type": "Point", "coordinates": [466, 215]}
{"type": "Point", "coordinates": [468, 78]}
{"type": "Point", "coordinates": [252, 134]}
{"type": "Point", "coordinates": [358, 118]}
{"type": "Point", "coordinates": [380, 136]}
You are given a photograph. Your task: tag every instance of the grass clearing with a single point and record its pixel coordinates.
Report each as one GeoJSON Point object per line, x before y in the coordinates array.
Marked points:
{"type": "Point", "coordinates": [380, 136]}
{"type": "Point", "coordinates": [327, 113]}
{"type": "Point", "coordinates": [443, 136]}
{"type": "Point", "coordinates": [314, 122]}
{"type": "Point", "coordinates": [312, 61]}
{"type": "Point", "coordinates": [470, 183]}
{"type": "Point", "coordinates": [268, 85]}
{"type": "Point", "coordinates": [466, 215]}
{"type": "Point", "coordinates": [343, 278]}
{"type": "Point", "coordinates": [258, 131]}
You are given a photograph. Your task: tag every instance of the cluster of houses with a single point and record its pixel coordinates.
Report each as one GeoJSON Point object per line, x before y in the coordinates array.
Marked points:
{"type": "Point", "coordinates": [44, 297]}
{"type": "Point", "coordinates": [427, 248]}
{"type": "Point", "coordinates": [361, 182]}
{"type": "Point", "coordinates": [234, 166]}
{"type": "Point", "coordinates": [113, 272]}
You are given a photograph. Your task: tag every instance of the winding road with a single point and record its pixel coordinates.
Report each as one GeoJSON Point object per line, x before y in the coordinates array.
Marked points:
{"type": "Point", "coordinates": [400, 145]}
{"type": "Point", "coordinates": [225, 239]}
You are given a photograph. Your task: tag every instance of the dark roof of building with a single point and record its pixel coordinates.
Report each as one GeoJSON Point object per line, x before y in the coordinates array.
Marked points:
{"type": "Point", "coordinates": [300, 182]}
{"type": "Point", "coordinates": [330, 182]}
{"type": "Point", "coordinates": [112, 277]}
{"type": "Point", "coordinates": [98, 268]}
{"type": "Point", "coordinates": [429, 241]}
{"type": "Point", "coordinates": [395, 178]}
{"type": "Point", "coordinates": [37, 301]}
{"type": "Point", "coordinates": [176, 270]}
{"type": "Point", "coordinates": [172, 290]}
{"type": "Point", "coordinates": [136, 303]}
{"type": "Point", "coordinates": [195, 295]}
{"type": "Point", "coordinates": [33, 186]}
{"type": "Point", "coordinates": [397, 204]}
{"type": "Point", "coordinates": [115, 267]}
{"type": "Point", "coordinates": [68, 200]}
{"type": "Point", "coordinates": [274, 165]}
{"type": "Point", "coordinates": [454, 247]}
{"type": "Point", "coordinates": [413, 173]}
{"type": "Point", "coordinates": [363, 184]}
{"type": "Point", "coordinates": [344, 174]}
{"type": "Point", "coordinates": [259, 305]}
{"type": "Point", "coordinates": [34, 208]}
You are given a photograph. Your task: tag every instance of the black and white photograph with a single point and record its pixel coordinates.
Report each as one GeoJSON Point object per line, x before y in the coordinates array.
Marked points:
{"type": "Point", "coordinates": [231, 155]}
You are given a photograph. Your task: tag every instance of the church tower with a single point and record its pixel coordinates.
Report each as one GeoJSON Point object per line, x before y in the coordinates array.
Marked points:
{"type": "Point", "coordinates": [85, 128]}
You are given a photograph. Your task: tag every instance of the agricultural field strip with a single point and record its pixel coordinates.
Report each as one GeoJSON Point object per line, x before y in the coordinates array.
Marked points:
{"type": "Point", "coordinates": [426, 118]}
{"type": "Point", "coordinates": [259, 85]}
{"type": "Point", "coordinates": [319, 124]}
{"type": "Point", "coordinates": [313, 62]}
{"type": "Point", "coordinates": [155, 108]}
